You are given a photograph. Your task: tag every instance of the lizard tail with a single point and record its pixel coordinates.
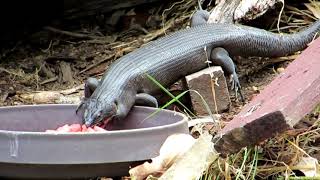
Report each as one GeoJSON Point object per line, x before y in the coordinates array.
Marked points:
{"type": "Point", "coordinates": [300, 40]}
{"type": "Point", "coordinates": [267, 44]}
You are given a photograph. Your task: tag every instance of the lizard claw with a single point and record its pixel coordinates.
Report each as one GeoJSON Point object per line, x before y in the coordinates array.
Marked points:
{"type": "Point", "coordinates": [235, 85]}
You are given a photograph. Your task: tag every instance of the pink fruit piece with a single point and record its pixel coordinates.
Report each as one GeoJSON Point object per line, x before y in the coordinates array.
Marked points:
{"type": "Point", "coordinates": [90, 129]}
{"type": "Point", "coordinates": [64, 128]}
{"type": "Point", "coordinates": [75, 128]}
{"type": "Point", "coordinates": [99, 129]}
{"type": "Point", "coordinates": [84, 128]}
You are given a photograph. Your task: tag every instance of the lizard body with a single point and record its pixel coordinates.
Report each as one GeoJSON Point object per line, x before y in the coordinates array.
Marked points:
{"type": "Point", "coordinates": [179, 54]}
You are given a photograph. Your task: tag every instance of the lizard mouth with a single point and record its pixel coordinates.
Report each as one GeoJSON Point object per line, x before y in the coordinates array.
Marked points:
{"type": "Point", "coordinates": [103, 124]}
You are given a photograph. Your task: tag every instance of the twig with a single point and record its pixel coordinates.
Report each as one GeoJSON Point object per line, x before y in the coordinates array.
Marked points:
{"type": "Point", "coordinates": [49, 80]}
{"type": "Point", "coordinates": [71, 34]}
{"type": "Point", "coordinates": [278, 23]}
{"type": "Point", "coordinates": [9, 72]}
{"type": "Point", "coordinates": [72, 90]}
{"type": "Point", "coordinates": [158, 32]}
{"type": "Point", "coordinates": [95, 64]}
{"type": "Point", "coordinates": [49, 47]}
{"type": "Point", "coordinates": [123, 44]}
{"type": "Point", "coordinates": [170, 8]}
{"type": "Point", "coordinates": [282, 168]}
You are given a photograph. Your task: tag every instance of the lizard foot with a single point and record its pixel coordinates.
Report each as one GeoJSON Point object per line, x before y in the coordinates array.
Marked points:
{"type": "Point", "coordinates": [145, 99]}
{"type": "Point", "coordinates": [235, 85]}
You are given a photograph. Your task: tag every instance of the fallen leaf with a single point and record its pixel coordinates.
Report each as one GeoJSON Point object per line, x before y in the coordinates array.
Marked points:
{"type": "Point", "coordinates": [173, 148]}
{"type": "Point", "coordinates": [194, 162]}
{"type": "Point", "coordinates": [309, 162]}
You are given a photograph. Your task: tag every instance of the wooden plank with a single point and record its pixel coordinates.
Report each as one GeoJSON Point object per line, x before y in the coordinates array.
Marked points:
{"type": "Point", "coordinates": [281, 105]}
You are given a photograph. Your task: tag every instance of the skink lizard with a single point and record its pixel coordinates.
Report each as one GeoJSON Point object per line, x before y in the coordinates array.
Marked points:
{"type": "Point", "coordinates": [174, 56]}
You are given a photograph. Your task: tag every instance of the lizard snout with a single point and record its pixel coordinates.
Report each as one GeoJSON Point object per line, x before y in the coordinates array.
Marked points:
{"type": "Point", "coordinates": [97, 113]}
{"type": "Point", "coordinates": [90, 118]}
{"type": "Point", "coordinates": [88, 122]}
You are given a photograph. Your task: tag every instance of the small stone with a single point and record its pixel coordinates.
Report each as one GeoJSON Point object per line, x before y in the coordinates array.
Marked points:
{"type": "Point", "coordinates": [211, 84]}
{"type": "Point", "coordinates": [280, 70]}
{"type": "Point", "coordinates": [17, 103]}
{"type": "Point", "coordinates": [254, 88]}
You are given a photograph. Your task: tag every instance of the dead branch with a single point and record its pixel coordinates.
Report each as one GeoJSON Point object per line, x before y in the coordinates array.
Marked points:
{"type": "Point", "coordinates": [71, 34]}
{"type": "Point", "coordinates": [228, 11]}
{"type": "Point", "coordinates": [49, 80]}
{"type": "Point", "coordinates": [66, 72]}
{"type": "Point", "coordinates": [96, 64]}
{"type": "Point", "coordinates": [49, 97]}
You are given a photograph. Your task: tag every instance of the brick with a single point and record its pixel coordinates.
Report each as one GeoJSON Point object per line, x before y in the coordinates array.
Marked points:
{"type": "Point", "coordinates": [202, 82]}
{"type": "Point", "coordinates": [281, 105]}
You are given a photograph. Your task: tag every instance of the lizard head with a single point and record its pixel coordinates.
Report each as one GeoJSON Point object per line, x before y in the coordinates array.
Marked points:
{"type": "Point", "coordinates": [103, 110]}
{"type": "Point", "coordinates": [98, 113]}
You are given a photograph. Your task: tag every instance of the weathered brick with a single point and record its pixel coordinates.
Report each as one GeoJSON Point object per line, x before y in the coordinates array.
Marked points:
{"type": "Point", "coordinates": [282, 104]}
{"type": "Point", "coordinates": [202, 82]}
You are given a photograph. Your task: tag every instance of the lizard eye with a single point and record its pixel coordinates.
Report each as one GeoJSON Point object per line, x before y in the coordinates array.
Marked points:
{"type": "Point", "coordinates": [98, 116]}
{"type": "Point", "coordinates": [115, 104]}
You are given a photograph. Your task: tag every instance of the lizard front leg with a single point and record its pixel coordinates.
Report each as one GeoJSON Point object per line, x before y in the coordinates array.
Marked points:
{"type": "Point", "coordinates": [89, 86]}
{"type": "Point", "coordinates": [143, 99]}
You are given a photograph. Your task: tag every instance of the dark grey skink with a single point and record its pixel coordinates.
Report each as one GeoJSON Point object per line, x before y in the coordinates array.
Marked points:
{"type": "Point", "coordinates": [174, 56]}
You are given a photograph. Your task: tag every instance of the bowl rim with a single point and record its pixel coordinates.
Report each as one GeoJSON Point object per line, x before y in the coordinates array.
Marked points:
{"type": "Point", "coordinates": [113, 132]}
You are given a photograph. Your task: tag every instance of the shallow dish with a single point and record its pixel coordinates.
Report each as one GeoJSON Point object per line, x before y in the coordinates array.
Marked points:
{"type": "Point", "coordinates": [26, 151]}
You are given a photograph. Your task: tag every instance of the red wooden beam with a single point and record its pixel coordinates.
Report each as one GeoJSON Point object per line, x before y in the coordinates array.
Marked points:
{"type": "Point", "coordinates": [282, 104]}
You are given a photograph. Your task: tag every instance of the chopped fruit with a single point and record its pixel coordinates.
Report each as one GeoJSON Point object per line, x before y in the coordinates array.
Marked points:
{"type": "Point", "coordinates": [98, 129]}
{"type": "Point", "coordinates": [84, 128]}
{"type": "Point", "coordinates": [76, 128]}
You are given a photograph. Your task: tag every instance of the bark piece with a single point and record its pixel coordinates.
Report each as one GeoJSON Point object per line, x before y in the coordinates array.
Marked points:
{"type": "Point", "coordinates": [66, 72]}
{"type": "Point", "coordinates": [228, 11]}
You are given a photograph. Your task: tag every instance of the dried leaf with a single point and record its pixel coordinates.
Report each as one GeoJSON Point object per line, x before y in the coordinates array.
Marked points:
{"type": "Point", "coordinates": [173, 148]}
{"type": "Point", "coordinates": [309, 162]}
{"type": "Point", "coordinates": [195, 161]}
{"type": "Point", "coordinates": [314, 7]}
